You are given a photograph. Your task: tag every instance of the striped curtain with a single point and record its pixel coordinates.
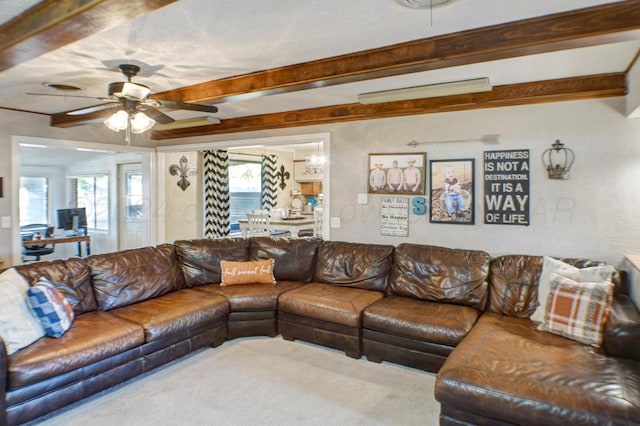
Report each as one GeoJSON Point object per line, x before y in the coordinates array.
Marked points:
{"type": "Point", "coordinates": [269, 181]}
{"type": "Point", "coordinates": [216, 194]}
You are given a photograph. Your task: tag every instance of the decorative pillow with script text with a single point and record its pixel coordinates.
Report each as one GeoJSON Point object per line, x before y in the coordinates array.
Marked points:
{"type": "Point", "coordinates": [255, 272]}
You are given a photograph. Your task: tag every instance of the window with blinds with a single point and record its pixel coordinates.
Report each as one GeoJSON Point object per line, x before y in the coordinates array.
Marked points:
{"type": "Point", "coordinates": [92, 193]}
{"type": "Point", "coordinates": [244, 188]}
{"type": "Point", "coordinates": [33, 200]}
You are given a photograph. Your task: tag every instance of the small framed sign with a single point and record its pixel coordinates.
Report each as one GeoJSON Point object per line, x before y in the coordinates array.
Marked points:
{"type": "Point", "coordinates": [394, 216]}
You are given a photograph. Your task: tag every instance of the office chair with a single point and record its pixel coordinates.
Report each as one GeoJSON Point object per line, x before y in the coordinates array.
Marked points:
{"type": "Point", "coordinates": [27, 232]}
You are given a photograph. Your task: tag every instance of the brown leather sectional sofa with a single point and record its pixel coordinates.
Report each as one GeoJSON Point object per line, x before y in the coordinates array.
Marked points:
{"type": "Point", "coordinates": [455, 312]}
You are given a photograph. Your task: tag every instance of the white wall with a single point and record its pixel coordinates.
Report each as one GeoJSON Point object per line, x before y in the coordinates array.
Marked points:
{"type": "Point", "coordinates": [183, 209]}
{"type": "Point", "coordinates": [594, 214]}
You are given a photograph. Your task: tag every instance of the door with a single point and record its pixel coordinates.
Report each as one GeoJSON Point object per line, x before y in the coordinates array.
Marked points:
{"type": "Point", "coordinates": [131, 210]}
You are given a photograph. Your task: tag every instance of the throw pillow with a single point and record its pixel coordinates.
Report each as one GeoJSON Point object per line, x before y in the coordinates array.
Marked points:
{"type": "Point", "coordinates": [256, 272]}
{"type": "Point", "coordinates": [51, 307]}
{"type": "Point", "coordinates": [550, 265]}
{"type": "Point", "coordinates": [19, 327]}
{"type": "Point", "coordinates": [577, 310]}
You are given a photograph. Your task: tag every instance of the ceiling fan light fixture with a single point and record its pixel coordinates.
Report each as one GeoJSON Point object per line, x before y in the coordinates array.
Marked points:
{"type": "Point", "coordinates": [118, 121]}
{"type": "Point", "coordinates": [140, 123]}
{"type": "Point", "coordinates": [135, 91]}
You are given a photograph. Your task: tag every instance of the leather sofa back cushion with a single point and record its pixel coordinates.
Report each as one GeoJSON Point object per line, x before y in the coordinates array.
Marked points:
{"type": "Point", "coordinates": [441, 274]}
{"type": "Point", "coordinates": [514, 283]}
{"type": "Point", "coordinates": [364, 266]}
{"type": "Point", "coordinates": [71, 277]}
{"type": "Point", "coordinates": [131, 276]}
{"type": "Point", "coordinates": [295, 259]}
{"type": "Point", "coordinates": [200, 259]}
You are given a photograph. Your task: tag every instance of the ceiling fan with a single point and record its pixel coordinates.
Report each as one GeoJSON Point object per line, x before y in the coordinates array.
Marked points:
{"type": "Point", "coordinates": [129, 108]}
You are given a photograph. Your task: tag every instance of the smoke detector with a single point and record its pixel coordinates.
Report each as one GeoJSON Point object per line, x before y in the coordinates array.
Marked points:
{"type": "Point", "coordinates": [423, 4]}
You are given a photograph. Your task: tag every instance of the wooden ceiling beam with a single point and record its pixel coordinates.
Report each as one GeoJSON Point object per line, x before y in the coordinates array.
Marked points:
{"type": "Point", "coordinates": [578, 28]}
{"type": "Point", "coordinates": [569, 89]}
{"type": "Point", "coordinates": [52, 24]}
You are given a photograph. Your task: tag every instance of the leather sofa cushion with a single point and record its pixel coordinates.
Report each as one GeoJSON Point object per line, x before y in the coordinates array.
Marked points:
{"type": "Point", "coordinates": [341, 305]}
{"type": "Point", "coordinates": [200, 259]}
{"type": "Point", "coordinates": [622, 329]}
{"type": "Point", "coordinates": [514, 283]}
{"type": "Point", "coordinates": [71, 277]}
{"type": "Point", "coordinates": [295, 258]}
{"type": "Point", "coordinates": [131, 276]}
{"type": "Point", "coordinates": [432, 322]}
{"type": "Point", "coordinates": [506, 369]}
{"type": "Point", "coordinates": [364, 266]}
{"type": "Point", "coordinates": [173, 312]}
{"type": "Point", "coordinates": [441, 274]}
{"type": "Point", "coordinates": [93, 336]}
{"type": "Point", "coordinates": [251, 298]}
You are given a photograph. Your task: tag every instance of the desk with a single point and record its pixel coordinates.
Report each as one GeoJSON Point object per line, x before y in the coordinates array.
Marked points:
{"type": "Point", "coordinates": [291, 225]}
{"type": "Point", "coordinates": [62, 240]}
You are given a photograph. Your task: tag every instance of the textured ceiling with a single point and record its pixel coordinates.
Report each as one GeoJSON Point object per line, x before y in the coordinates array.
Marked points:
{"type": "Point", "coordinates": [195, 41]}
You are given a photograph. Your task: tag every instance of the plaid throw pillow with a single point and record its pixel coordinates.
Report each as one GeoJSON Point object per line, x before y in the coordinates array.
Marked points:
{"type": "Point", "coordinates": [51, 307]}
{"type": "Point", "coordinates": [578, 310]}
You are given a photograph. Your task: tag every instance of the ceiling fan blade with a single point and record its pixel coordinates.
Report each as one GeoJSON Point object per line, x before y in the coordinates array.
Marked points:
{"type": "Point", "coordinates": [94, 108]}
{"type": "Point", "coordinates": [187, 106]}
{"type": "Point", "coordinates": [160, 117]}
{"type": "Point", "coordinates": [70, 96]}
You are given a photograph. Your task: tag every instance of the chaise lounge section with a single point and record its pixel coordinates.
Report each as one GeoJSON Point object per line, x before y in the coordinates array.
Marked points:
{"type": "Point", "coordinates": [507, 372]}
{"type": "Point", "coordinates": [451, 311]}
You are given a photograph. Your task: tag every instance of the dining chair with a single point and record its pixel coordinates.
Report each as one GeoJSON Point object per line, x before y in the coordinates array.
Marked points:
{"type": "Point", "coordinates": [259, 224]}
{"type": "Point", "coordinates": [318, 222]}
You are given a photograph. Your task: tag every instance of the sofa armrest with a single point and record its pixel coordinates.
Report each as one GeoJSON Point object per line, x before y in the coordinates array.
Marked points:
{"type": "Point", "coordinates": [622, 330]}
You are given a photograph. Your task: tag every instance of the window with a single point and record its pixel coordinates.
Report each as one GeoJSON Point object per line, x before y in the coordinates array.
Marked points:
{"type": "Point", "coordinates": [134, 195]}
{"type": "Point", "coordinates": [92, 193]}
{"type": "Point", "coordinates": [245, 185]}
{"type": "Point", "coordinates": [34, 200]}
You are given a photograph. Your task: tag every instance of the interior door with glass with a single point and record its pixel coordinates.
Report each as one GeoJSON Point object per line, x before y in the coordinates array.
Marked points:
{"type": "Point", "coordinates": [132, 211]}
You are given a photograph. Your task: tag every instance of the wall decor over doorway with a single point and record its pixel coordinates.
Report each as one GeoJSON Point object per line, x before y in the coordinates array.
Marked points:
{"type": "Point", "coordinates": [184, 171]}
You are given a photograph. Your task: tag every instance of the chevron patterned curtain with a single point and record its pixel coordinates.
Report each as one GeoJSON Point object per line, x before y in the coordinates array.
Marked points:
{"type": "Point", "coordinates": [216, 194]}
{"type": "Point", "coordinates": [269, 181]}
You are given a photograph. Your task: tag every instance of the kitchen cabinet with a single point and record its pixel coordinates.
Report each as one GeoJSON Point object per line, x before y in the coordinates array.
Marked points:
{"type": "Point", "coordinates": [311, 188]}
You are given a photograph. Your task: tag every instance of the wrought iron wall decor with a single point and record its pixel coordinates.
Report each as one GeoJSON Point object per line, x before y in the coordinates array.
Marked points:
{"type": "Point", "coordinates": [183, 171]}
{"type": "Point", "coordinates": [558, 160]}
{"type": "Point", "coordinates": [283, 175]}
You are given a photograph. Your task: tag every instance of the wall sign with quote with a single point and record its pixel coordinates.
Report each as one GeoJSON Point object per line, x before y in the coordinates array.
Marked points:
{"type": "Point", "coordinates": [394, 216]}
{"type": "Point", "coordinates": [506, 187]}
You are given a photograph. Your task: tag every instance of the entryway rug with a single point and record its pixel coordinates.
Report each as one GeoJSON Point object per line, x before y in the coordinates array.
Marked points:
{"type": "Point", "coordinates": [263, 381]}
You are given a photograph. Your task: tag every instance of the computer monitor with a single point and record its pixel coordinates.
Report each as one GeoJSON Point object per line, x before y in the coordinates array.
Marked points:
{"type": "Point", "coordinates": [72, 219]}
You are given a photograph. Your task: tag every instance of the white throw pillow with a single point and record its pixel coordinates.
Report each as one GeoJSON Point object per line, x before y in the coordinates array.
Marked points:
{"type": "Point", "coordinates": [19, 326]}
{"type": "Point", "coordinates": [550, 265]}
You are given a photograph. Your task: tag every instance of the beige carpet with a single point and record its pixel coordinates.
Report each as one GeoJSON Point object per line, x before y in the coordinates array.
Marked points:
{"type": "Point", "coordinates": [264, 381]}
